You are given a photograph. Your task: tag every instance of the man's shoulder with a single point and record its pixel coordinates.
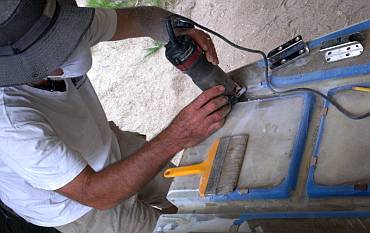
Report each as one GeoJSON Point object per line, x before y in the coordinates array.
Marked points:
{"type": "Point", "coordinates": [16, 108]}
{"type": "Point", "coordinates": [103, 26]}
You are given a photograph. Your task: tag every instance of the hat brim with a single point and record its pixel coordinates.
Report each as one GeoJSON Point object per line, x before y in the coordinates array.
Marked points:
{"type": "Point", "coordinates": [50, 51]}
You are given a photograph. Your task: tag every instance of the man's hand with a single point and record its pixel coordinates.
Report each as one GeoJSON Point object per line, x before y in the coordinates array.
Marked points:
{"type": "Point", "coordinates": [199, 119]}
{"type": "Point", "coordinates": [205, 42]}
{"type": "Point", "coordinates": [151, 21]}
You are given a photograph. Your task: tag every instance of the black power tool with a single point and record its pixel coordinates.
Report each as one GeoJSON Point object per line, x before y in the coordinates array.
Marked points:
{"type": "Point", "coordinates": [187, 56]}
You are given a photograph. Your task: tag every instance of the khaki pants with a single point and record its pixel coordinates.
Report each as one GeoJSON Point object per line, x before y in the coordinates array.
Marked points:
{"type": "Point", "coordinates": [137, 214]}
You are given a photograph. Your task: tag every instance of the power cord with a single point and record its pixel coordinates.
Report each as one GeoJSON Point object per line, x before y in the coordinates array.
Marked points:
{"type": "Point", "coordinates": [330, 99]}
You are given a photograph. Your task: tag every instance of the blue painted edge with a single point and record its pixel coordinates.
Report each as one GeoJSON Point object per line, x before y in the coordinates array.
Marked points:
{"type": "Point", "coordinates": [342, 32]}
{"type": "Point", "coordinates": [301, 215]}
{"type": "Point", "coordinates": [315, 190]}
{"type": "Point", "coordinates": [342, 72]}
{"type": "Point", "coordinates": [284, 189]}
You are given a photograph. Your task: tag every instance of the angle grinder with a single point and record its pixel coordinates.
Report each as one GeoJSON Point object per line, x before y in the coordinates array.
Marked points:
{"type": "Point", "coordinates": [183, 52]}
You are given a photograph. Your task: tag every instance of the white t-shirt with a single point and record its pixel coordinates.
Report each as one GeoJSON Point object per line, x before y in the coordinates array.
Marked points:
{"type": "Point", "coordinates": [48, 138]}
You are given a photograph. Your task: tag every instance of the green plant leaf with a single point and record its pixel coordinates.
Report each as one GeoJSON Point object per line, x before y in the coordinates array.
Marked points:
{"type": "Point", "coordinates": [153, 50]}
{"type": "Point", "coordinates": [111, 3]}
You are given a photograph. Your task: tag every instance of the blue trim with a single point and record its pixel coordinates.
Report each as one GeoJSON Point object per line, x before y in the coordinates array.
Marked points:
{"type": "Point", "coordinates": [261, 63]}
{"type": "Point", "coordinates": [302, 215]}
{"type": "Point", "coordinates": [320, 133]}
{"type": "Point", "coordinates": [342, 72]}
{"type": "Point", "coordinates": [342, 32]}
{"type": "Point", "coordinates": [316, 190]}
{"type": "Point", "coordinates": [284, 189]}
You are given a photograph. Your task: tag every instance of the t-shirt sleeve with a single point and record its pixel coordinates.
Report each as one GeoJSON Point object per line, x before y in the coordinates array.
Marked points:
{"type": "Point", "coordinates": [39, 156]}
{"type": "Point", "coordinates": [103, 26]}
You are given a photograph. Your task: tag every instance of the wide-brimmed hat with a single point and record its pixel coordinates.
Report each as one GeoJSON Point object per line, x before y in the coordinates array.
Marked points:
{"type": "Point", "coordinates": [37, 36]}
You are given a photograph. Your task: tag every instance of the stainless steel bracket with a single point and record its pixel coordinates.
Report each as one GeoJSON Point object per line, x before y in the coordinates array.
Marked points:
{"type": "Point", "coordinates": [287, 52]}
{"type": "Point", "coordinates": [343, 51]}
{"type": "Point", "coordinates": [344, 47]}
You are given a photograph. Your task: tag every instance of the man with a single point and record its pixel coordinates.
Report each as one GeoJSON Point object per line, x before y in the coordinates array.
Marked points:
{"type": "Point", "coordinates": [61, 163]}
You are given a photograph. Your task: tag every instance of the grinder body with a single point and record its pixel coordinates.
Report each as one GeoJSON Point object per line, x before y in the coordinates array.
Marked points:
{"type": "Point", "coordinates": [188, 57]}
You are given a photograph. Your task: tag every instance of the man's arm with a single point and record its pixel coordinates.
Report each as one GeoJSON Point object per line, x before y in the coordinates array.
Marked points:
{"type": "Point", "coordinates": [151, 22]}
{"type": "Point", "coordinates": [119, 181]}
{"type": "Point", "coordinates": [141, 21]}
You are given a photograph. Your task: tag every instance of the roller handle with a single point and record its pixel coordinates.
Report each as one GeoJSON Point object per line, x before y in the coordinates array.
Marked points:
{"type": "Point", "coordinates": [185, 171]}
{"type": "Point", "coordinates": [363, 89]}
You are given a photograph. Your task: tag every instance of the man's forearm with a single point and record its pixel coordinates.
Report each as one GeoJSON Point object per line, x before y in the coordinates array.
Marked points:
{"type": "Point", "coordinates": [119, 181]}
{"type": "Point", "coordinates": [141, 22]}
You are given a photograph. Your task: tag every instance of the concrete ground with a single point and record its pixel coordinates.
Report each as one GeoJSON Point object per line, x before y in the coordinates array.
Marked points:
{"type": "Point", "coordinates": [144, 94]}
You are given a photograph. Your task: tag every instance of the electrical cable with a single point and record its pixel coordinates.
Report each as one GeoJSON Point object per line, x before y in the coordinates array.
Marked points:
{"type": "Point", "coordinates": [330, 99]}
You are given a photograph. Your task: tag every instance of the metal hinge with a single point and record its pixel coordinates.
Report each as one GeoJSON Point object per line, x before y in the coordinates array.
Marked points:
{"type": "Point", "coordinates": [287, 52]}
{"type": "Point", "coordinates": [343, 48]}
{"type": "Point", "coordinates": [343, 51]}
